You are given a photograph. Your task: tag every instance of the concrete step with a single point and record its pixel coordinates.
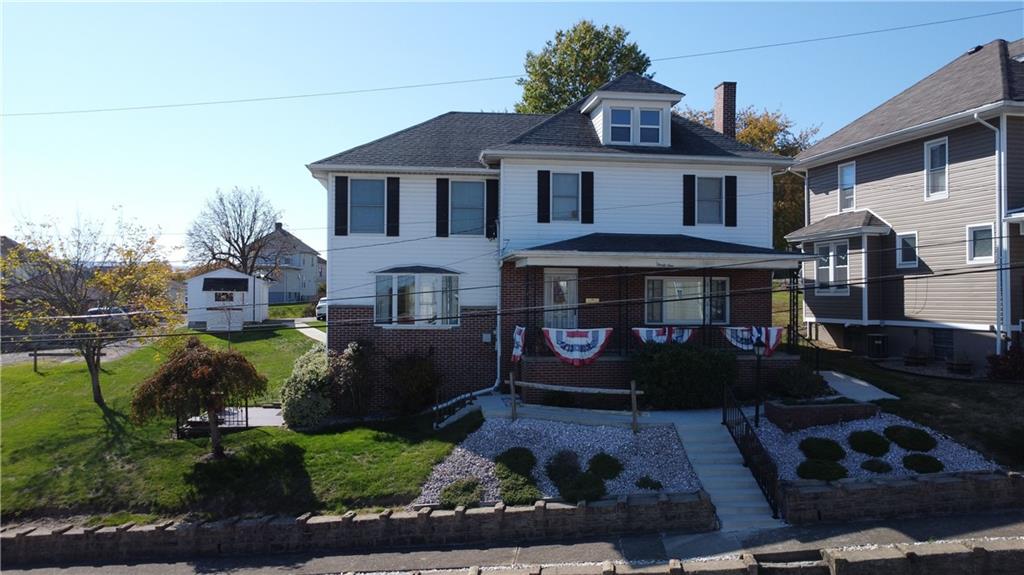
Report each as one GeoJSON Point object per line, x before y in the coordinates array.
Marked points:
{"type": "Point", "coordinates": [738, 495]}
{"type": "Point", "coordinates": [751, 510]}
{"type": "Point", "coordinates": [717, 470]}
{"type": "Point", "coordinates": [732, 522]}
{"type": "Point", "coordinates": [711, 484]}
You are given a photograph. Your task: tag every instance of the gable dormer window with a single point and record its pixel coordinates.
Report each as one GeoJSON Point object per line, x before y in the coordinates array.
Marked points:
{"type": "Point", "coordinates": [622, 125]}
{"type": "Point", "coordinates": [650, 126]}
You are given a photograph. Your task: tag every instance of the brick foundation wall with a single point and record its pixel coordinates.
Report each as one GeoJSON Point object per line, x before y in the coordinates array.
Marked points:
{"type": "Point", "coordinates": [689, 512]}
{"type": "Point", "coordinates": [460, 354]}
{"type": "Point", "coordinates": [809, 501]}
{"type": "Point", "coordinates": [794, 417]}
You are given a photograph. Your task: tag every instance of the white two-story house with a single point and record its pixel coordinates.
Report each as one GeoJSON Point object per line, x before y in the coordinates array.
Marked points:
{"type": "Point", "coordinates": [614, 212]}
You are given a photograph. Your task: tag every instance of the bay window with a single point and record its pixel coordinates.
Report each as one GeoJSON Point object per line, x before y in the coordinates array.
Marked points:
{"type": "Point", "coordinates": [832, 273]}
{"type": "Point", "coordinates": [687, 300]}
{"type": "Point", "coordinates": [417, 299]}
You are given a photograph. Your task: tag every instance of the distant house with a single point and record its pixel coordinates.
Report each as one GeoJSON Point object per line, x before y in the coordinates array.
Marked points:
{"type": "Point", "coordinates": [225, 300]}
{"type": "Point", "coordinates": [915, 212]}
{"type": "Point", "coordinates": [294, 269]}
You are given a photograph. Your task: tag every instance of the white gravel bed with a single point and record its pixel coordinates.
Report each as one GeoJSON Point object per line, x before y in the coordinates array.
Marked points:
{"type": "Point", "coordinates": [655, 451]}
{"type": "Point", "coordinates": [784, 448]}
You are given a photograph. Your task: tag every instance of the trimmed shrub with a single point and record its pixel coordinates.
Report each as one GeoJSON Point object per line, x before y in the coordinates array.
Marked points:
{"type": "Point", "coordinates": [797, 382]}
{"type": "Point", "coordinates": [563, 466]}
{"type": "Point", "coordinates": [304, 395]}
{"type": "Point", "coordinates": [514, 470]}
{"type": "Point", "coordinates": [351, 374]}
{"type": "Point", "coordinates": [910, 438]}
{"type": "Point", "coordinates": [518, 460]}
{"type": "Point", "coordinates": [660, 370]}
{"type": "Point", "coordinates": [869, 443]}
{"type": "Point", "coordinates": [604, 466]}
{"type": "Point", "coordinates": [582, 487]}
{"type": "Point", "coordinates": [922, 463]}
{"type": "Point", "coordinates": [876, 466]}
{"type": "Point", "coordinates": [822, 448]}
{"type": "Point", "coordinates": [649, 484]}
{"type": "Point", "coordinates": [416, 382]}
{"type": "Point", "coordinates": [823, 469]}
{"type": "Point", "coordinates": [464, 492]}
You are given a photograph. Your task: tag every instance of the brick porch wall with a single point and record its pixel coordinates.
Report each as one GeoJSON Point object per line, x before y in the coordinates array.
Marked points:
{"type": "Point", "coordinates": [464, 360]}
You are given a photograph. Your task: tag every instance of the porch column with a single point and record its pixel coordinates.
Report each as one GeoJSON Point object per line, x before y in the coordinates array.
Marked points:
{"type": "Point", "coordinates": [623, 340]}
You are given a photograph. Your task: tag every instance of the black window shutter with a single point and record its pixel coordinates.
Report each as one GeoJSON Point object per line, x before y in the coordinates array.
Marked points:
{"type": "Point", "coordinates": [492, 209]}
{"type": "Point", "coordinates": [730, 201]}
{"type": "Point", "coordinates": [442, 208]}
{"type": "Point", "coordinates": [543, 196]}
{"type": "Point", "coordinates": [689, 200]}
{"type": "Point", "coordinates": [392, 225]}
{"type": "Point", "coordinates": [341, 205]}
{"type": "Point", "coordinates": [587, 198]}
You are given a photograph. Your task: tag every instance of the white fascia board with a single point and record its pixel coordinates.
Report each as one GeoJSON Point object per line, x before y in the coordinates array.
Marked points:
{"type": "Point", "coordinates": [892, 138]}
{"type": "Point", "coordinates": [907, 323]}
{"type": "Point", "coordinates": [864, 230]}
{"type": "Point", "coordinates": [694, 260]}
{"type": "Point", "coordinates": [626, 157]}
{"type": "Point", "coordinates": [591, 102]}
{"type": "Point", "coordinates": [319, 170]}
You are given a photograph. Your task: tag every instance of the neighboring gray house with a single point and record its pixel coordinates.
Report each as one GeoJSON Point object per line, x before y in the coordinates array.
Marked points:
{"type": "Point", "coordinates": [294, 269]}
{"type": "Point", "coordinates": [916, 213]}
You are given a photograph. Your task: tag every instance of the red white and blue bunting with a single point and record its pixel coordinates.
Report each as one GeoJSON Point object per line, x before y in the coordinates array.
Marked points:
{"type": "Point", "coordinates": [744, 337]}
{"type": "Point", "coordinates": [518, 343]}
{"type": "Point", "coordinates": [577, 346]}
{"type": "Point", "coordinates": [663, 334]}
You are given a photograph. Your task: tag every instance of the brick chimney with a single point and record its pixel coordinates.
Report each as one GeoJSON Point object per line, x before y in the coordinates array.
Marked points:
{"type": "Point", "coordinates": [725, 108]}
{"type": "Point", "coordinates": [279, 225]}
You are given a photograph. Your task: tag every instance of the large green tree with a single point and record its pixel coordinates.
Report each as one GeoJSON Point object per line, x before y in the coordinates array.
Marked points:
{"type": "Point", "coordinates": [772, 132]}
{"type": "Point", "coordinates": [575, 63]}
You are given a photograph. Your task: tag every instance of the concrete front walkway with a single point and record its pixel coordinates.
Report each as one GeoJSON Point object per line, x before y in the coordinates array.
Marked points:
{"type": "Point", "coordinates": [311, 332]}
{"type": "Point", "coordinates": [855, 389]}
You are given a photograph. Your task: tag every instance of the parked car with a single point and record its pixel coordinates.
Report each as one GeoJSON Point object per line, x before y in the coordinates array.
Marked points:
{"type": "Point", "coordinates": [321, 309]}
{"type": "Point", "coordinates": [114, 318]}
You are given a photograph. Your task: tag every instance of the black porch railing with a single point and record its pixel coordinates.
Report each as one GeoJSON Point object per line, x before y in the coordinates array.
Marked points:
{"type": "Point", "coordinates": [230, 419]}
{"type": "Point", "coordinates": [755, 456]}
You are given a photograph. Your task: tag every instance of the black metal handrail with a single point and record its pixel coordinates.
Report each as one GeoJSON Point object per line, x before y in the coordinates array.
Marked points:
{"type": "Point", "coordinates": [815, 347]}
{"type": "Point", "coordinates": [755, 456]}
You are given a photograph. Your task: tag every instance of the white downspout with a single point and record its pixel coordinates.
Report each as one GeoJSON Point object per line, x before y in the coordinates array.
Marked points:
{"type": "Point", "coordinates": [1001, 239]}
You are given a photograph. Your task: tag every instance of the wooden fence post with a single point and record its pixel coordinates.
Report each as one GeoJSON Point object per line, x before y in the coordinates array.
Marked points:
{"type": "Point", "coordinates": [512, 391]}
{"type": "Point", "coordinates": [632, 397]}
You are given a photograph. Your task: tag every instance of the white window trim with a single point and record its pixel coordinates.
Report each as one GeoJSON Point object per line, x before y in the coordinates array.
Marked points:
{"type": "Point", "coordinates": [611, 124]}
{"type": "Point", "coordinates": [705, 301]}
{"type": "Point", "coordinates": [927, 157]}
{"type": "Point", "coordinates": [641, 126]}
{"type": "Point", "coordinates": [839, 187]}
{"type": "Point", "coordinates": [831, 290]}
{"type": "Point", "coordinates": [696, 201]}
{"type": "Point", "coordinates": [900, 264]}
{"type": "Point", "coordinates": [393, 323]}
{"type": "Point", "coordinates": [451, 206]}
{"type": "Point", "coordinates": [551, 196]}
{"type": "Point", "coordinates": [371, 234]}
{"type": "Point", "coordinates": [971, 259]}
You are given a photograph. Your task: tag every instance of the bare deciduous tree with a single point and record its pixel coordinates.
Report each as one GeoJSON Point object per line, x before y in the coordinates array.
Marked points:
{"type": "Point", "coordinates": [230, 231]}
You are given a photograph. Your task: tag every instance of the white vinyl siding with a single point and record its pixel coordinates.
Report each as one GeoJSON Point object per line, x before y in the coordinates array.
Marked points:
{"type": "Point", "coordinates": [906, 250]}
{"type": "Point", "coordinates": [847, 186]}
{"type": "Point", "coordinates": [682, 301]}
{"type": "Point", "coordinates": [936, 169]}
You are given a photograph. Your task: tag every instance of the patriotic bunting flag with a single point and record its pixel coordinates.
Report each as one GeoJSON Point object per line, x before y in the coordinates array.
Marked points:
{"type": "Point", "coordinates": [518, 343]}
{"type": "Point", "coordinates": [739, 336]}
{"type": "Point", "coordinates": [744, 337]}
{"type": "Point", "coordinates": [663, 334]}
{"type": "Point", "coordinates": [681, 334]}
{"type": "Point", "coordinates": [577, 346]}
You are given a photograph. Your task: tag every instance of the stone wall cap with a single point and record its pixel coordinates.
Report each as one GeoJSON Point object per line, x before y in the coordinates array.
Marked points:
{"type": "Point", "coordinates": [319, 519]}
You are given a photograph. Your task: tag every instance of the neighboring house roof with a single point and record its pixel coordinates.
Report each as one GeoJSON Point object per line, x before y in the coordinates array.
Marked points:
{"type": "Point", "coordinates": [840, 225]}
{"type": "Point", "coordinates": [6, 245]}
{"type": "Point", "coordinates": [280, 241]}
{"type": "Point", "coordinates": [651, 244]}
{"type": "Point", "coordinates": [984, 75]}
{"type": "Point", "coordinates": [637, 84]}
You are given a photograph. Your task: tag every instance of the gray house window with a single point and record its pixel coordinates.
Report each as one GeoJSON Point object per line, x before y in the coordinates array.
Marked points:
{"type": "Point", "coordinates": [906, 250]}
{"type": "Point", "coordinates": [936, 158]}
{"type": "Point", "coordinates": [847, 186]}
{"type": "Point", "coordinates": [467, 217]}
{"type": "Point", "coordinates": [979, 244]}
{"type": "Point", "coordinates": [709, 200]}
{"type": "Point", "coordinates": [650, 126]}
{"type": "Point", "coordinates": [565, 197]}
{"type": "Point", "coordinates": [367, 207]}
{"type": "Point", "coordinates": [622, 125]}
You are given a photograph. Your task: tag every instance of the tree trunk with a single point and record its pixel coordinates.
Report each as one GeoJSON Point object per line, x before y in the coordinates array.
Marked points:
{"type": "Point", "coordinates": [215, 444]}
{"type": "Point", "coordinates": [92, 361]}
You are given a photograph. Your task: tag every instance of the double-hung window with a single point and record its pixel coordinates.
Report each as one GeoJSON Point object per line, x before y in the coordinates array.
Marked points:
{"type": "Point", "coordinates": [565, 197]}
{"type": "Point", "coordinates": [832, 273]}
{"type": "Point", "coordinates": [467, 206]}
{"type": "Point", "coordinates": [366, 215]}
{"type": "Point", "coordinates": [980, 249]}
{"type": "Point", "coordinates": [847, 186]}
{"type": "Point", "coordinates": [417, 299]}
{"type": "Point", "coordinates": [622, 125]}
{"type": "Point", "coordinates": [710, 203]}
{"type": "Point", "coordinates": [650, 126]}
{"type": "Point", "coordinates": [936, 169]}
{"type": "Point", "coordinates": [906, 250]}
{"type": "Point", "coordinates": [687, 300]}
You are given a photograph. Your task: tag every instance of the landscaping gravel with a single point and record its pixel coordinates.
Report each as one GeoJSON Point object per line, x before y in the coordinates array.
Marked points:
{"type": "Point", "coordinates": [655, 451]}
{"type": "Point", "coordinates": [784, 448]}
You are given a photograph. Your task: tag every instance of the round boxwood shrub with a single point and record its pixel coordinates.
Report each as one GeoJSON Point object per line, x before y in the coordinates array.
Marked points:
{"type": "Point", "coordinates": [649, 484]}
{"type": "Point", "coordinates": [876, 466]}
{"type": "Point", "coordinates": [922, 463]}
{"type": "Point", "coordinates": [910, 438]}
{"type": "Point", "coordinates": [464, 492]}
{"type": "Point", "coordinates": [797, 382]}
{"type": "Point", "coordinates": [869, 443]}
{"type": "Point", "coordinates": [824, 469]}
{"type": "Point", "coordinates": [604, 466]}
{"type": "Point", "coordinates": [514, 470]}
{"type": "Point", "coordinates": [518, 460]}
{"type": "Point", "coordinates": [304, 396]}
{"type": "Point", "coordinates": [583, 487]}
{"type": "Point", "coordinates": [563, 466]}
{"type": "Point", "coordinates": [822, 448]}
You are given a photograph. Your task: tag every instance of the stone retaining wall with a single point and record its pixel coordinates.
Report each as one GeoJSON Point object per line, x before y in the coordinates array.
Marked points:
{"type": "Point", "coordinates": [794, 417]}
{"type": "Point", "coordinates": [548, 521]}
{"type": "Point", "coordinates": [811, 501]}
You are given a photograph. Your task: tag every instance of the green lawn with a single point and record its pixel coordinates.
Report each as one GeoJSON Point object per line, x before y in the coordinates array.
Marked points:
{"type": "Point", "coordinates": [62, 455]}
{"type": "Point", "coordinates": [287, 311]}
{"type": "Point", "coordinates": [985, 416]}
{"type": "Point", "coordinates": [272, 352]}
{"type": "Point", "coordinates": [780, 305]}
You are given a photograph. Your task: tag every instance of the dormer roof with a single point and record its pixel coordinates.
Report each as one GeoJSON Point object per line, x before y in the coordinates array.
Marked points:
{"type": "Point", "coordinates": [637, 83]}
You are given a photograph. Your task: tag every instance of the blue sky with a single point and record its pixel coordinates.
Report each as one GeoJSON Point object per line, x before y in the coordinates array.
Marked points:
{"type": "Point", "coordinates": [160, 165]}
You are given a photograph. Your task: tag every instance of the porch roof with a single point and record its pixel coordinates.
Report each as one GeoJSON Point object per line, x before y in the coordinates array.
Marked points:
{"type": "Point", "coordinates": [841, 225]}
{"type": "Point", "coordinates": [654, 251]}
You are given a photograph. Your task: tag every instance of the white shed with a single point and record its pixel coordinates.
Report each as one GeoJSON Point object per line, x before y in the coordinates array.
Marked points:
{"type": "Point", "coordinates": [224, 300]}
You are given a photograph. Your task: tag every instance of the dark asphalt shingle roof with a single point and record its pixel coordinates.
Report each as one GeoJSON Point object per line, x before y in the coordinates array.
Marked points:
{"type": "Point", "coordinates": [416, 270]}
{"type": "Point", "coordinates": [636, 83]}
{"type": "Point", "coordinates": [987, 75]}
{"type": "Point", "coordinates": [651, 243]}
{"type": "Point", "coordinates": [837, 224]}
